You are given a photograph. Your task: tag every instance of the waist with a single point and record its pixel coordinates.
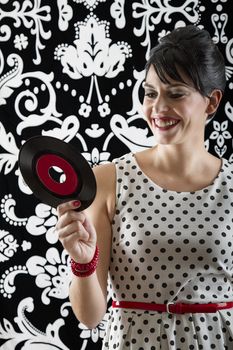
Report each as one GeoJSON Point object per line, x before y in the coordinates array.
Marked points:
{"type": "Point", "coordinates": [173, 308]}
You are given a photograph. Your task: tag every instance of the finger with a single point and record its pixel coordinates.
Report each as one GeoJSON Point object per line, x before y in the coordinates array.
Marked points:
{"type": "Point", "coordinates": [64, 207]}
{"type": "Point", "coordinates": [77, 227]}
{"type": "Point", "coordinates": [74, 230]}
{"type": "Point", "coordinates": [68, 217]}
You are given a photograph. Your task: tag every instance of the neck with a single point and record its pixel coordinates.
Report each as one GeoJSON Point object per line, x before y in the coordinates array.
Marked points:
{"type": "Point", "coordinates": [177, 159]}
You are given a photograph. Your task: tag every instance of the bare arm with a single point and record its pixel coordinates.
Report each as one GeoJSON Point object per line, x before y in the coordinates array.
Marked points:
{"type": "Point", "coordinates": [88, 295]}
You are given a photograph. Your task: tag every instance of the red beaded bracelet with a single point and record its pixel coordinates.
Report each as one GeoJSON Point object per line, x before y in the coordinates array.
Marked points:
{"type": "Point", "coordinates": [84, 270]}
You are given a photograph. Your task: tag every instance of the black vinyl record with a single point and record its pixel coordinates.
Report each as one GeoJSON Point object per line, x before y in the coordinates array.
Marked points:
{"type": "Point", "coordinates": [56, 172]}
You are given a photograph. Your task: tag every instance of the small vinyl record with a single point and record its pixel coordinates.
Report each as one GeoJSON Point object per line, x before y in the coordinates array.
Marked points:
{"type": "Point", "coordinates": [56, 172]}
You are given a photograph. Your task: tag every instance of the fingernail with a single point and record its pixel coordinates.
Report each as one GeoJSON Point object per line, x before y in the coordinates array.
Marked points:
{"type": "Point", "coordinates": [76, 203]}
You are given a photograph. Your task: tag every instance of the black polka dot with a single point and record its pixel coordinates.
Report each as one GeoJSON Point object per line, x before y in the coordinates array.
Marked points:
{"type": "Point", "coordinates": [170, 246]}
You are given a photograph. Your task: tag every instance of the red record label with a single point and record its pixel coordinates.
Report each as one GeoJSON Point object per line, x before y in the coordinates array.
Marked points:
{"type": "Point", "coordinates": [47, 161]}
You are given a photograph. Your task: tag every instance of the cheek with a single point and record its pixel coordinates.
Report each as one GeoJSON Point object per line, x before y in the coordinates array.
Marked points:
{"type": "Point", "coordinates": [146, 109]}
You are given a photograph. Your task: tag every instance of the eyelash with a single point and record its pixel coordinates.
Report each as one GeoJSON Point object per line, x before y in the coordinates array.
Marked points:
{"type": "Point", "coordinates": [175, 96]}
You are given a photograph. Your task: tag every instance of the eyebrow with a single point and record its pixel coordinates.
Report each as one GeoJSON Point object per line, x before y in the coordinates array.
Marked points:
{"type": "Point", "coordinates": [169, 85]}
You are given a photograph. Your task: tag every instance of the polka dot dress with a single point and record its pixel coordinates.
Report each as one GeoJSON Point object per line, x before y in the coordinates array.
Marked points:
{"type": "Point", "coordinates": [171, 246]}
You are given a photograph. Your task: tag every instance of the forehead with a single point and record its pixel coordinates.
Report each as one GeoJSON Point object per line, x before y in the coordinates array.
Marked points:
{"type": "Point", "coordinates": [153, 80]}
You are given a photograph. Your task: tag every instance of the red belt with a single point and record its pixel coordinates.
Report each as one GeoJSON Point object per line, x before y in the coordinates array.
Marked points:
{"type": "Point", "coordinates": [173, 308]}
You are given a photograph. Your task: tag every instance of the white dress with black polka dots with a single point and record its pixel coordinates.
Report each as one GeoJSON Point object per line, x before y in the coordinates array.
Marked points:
{"type": "Point", "coordinates": [171, 246]}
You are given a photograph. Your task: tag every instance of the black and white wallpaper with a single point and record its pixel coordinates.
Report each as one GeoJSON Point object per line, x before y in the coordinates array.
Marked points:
{"type": "Point", "coordinates": [73, 69]}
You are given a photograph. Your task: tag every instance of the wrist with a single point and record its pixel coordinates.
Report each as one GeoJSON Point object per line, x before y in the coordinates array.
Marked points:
{"type": "Point", "coordinates": [84, 270]}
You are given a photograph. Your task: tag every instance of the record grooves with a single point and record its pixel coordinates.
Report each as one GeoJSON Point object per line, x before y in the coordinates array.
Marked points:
{"type": "Point", "coordinates": [40, 156]}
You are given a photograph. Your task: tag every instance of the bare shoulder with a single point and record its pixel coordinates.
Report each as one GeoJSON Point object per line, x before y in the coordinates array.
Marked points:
{"type": "Point", "coordinates": [105, 171]}
{"type": "Point", "coordinates": [144, 157]}
{"type": "Point", "coordinates": [105, 175]}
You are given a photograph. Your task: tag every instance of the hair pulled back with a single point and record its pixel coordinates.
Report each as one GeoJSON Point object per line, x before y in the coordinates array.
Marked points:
{"type": "Point", "coordinates": [191, 51]}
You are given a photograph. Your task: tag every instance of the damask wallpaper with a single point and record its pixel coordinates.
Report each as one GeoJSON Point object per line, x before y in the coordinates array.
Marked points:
{"type": "Point", "coordinates": [73, 69]}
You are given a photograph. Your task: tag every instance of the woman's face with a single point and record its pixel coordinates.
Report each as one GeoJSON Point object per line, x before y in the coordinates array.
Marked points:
{"type": "Point", "coordinates": [175, 112]}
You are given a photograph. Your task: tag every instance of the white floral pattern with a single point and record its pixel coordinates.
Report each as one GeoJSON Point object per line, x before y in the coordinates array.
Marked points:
{"type": "Point", "coordinates": [65, 14]}
{"type": "Point", "coordinates": [151, 13]}
{"type": "Point", "coordinates": [32, 15]}
{"type": "Point", "coordinates": [220, 134]}
{"type": "Point", "coordinates": [21, 41]}
{"type": "Point", "coordinates": [28, 335]}
{"type": "Point", "coordinates": [74, 70]}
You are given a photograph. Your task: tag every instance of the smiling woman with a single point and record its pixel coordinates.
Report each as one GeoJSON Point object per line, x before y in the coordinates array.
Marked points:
{"type": "Point", "coordinates": [161, 217]}
{"type": "Point", "coordinates": [183, 86]}
{"type": "Point", "coordinates": [176, 111]}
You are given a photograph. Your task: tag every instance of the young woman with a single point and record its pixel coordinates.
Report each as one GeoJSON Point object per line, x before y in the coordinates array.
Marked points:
{"type": "Point", "coordinates": [162, 218]}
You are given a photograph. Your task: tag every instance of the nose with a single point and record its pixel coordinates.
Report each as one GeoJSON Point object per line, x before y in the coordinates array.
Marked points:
{"type": "Point", "coordinates": [160, 105]}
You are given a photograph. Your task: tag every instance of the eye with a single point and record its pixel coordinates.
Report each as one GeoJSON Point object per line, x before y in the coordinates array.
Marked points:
{"type": "Point", "coordinates": [150, 94]}
{"type": "Point", "coordinates": [177, 95]}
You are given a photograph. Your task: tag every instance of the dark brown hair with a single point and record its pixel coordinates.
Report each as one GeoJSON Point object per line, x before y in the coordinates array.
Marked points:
{"type": "Point", "coordinates": [189, 50]}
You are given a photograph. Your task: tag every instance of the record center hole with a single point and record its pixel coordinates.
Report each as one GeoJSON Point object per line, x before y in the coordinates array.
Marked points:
{"type": "Point", "coordinates": [57, 174]}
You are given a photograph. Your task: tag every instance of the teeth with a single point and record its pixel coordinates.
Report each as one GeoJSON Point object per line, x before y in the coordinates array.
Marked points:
{"type": "Point", "coordinates": [161, 123]}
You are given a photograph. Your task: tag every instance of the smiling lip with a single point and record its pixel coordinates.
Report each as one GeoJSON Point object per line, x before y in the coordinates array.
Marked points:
{"type": "Point", "coordinates": [165, 123]}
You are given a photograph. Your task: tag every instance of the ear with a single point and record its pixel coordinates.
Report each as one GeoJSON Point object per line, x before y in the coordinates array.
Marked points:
{"type": "Point", "coordinates": [214, 100]}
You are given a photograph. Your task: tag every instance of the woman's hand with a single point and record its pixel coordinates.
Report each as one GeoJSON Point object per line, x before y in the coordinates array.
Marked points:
{"type": "Point", "coordinates": [76, 233]}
